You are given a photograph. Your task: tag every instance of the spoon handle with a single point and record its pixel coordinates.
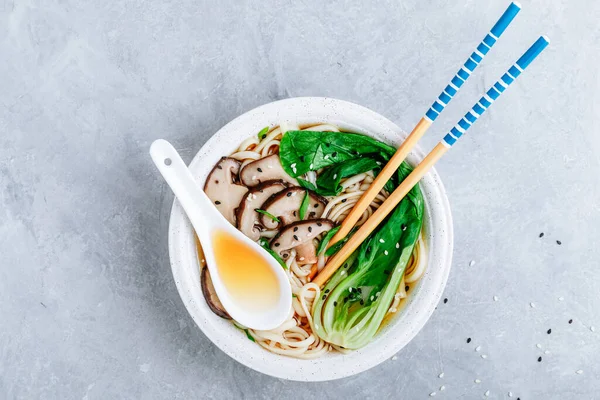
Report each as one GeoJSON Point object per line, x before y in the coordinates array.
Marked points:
{"type": "Point", "coordinates": [193, 200]}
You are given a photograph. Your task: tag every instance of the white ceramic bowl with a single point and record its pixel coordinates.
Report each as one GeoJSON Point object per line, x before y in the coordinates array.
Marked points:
{"type": "Point", "coordinates": [422, 299]}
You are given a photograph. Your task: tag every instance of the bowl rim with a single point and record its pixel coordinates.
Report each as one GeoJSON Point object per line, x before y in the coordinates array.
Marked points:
{"type": "Point", "coordinates": [415, 313]}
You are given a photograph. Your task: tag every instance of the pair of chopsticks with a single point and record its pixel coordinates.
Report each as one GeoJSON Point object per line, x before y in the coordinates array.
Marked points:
{"type": "Point", "coordinates": [439, 150]}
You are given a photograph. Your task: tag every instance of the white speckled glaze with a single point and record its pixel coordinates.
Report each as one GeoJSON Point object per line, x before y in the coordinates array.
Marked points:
{"type": "Point", "coordinates": [422, 299]}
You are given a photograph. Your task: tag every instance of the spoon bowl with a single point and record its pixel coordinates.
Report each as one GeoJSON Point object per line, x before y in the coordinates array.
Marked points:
{"type": "Point", "coordinates": [227, 251]}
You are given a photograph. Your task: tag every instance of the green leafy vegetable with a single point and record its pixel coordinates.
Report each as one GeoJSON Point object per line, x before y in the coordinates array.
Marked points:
{"type": "Point", "coordinates": [359, 294]}
{"type": "Point", "coordinates": [294, 296]}
{"type": "Point", "coordinates": [310, 151]}
{"type": "Point", "coordinates": [304, 205]}
{"type": "Point", "coordinates": [328, 182]}
{"type": "Point", "coordinates": [341, 154]}
{"type": "Point", "coordinates": [306, 184]}
{"type": "Point", "coordinates": [263, 133]}
{"type": "Point", "coordinates": [264, 243]}
{"type": "Point", "coordinates": [268, 214]}
{"type": "Point", "coordinates": [326, 239]}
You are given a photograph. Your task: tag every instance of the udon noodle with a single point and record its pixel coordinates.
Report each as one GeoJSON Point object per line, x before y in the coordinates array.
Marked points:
{"type": "Point", "coordinates": [296, 337]}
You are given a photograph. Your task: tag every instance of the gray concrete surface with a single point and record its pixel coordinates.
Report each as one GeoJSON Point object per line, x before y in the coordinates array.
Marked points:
{"type": "Point", "coordinates": [88, 307]}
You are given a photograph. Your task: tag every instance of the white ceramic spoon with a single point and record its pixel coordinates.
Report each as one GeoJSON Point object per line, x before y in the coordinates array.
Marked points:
{"type": "Point", "coordinates": [206, 220]}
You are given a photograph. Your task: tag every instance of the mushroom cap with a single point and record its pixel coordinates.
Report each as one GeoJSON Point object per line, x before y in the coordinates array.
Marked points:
{"type": "Point", "coordinates": [286, 205]}
{"type": "Point", "coordinates": [222, 188]}
{"type": "Point", "coordinates": [210, 295]}
{"type": "Point", "coordinates": [246, 216]}
{"type": "Point", "coordinates": [264, 169]}
{"type": "Point", "coordinates": [300, 233]}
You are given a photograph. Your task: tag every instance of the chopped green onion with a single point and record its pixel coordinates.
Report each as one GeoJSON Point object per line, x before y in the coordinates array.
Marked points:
{"type": "Point", "coordinates": [268, 214]}
{"type": "Point", "coordinates": [323, 244]}
{"type": "Point", "coordinates": [304, 205]}
{"type": "Point", "coordinates": [264, 243]}
{"type": "Point", "coordinates": [263, 133]}
{"type": "Point", "coordinates": [249, 335]}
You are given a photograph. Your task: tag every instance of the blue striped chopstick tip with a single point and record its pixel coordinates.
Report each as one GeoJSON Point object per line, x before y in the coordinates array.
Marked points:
{"type": "Point", "coordinates": [506, 18]}
{"type": "Point", "coordinates": [495, 91]}
{"type": "Point", "coordinates": [472, 62]}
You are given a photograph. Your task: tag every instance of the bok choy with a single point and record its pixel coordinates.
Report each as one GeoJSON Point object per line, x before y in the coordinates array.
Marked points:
{"type": "Point", "coordinates": [357, 297]}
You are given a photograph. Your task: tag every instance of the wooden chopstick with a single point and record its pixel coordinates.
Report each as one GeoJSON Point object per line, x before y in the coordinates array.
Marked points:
{"type": "Point", "coordinates": [438, 151]}
{"type": "Point", "coordinates": [419, 130]}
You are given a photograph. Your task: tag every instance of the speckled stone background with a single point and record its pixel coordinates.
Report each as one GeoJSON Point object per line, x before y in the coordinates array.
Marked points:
{"type": "Point", "coordinates": [88, 306]}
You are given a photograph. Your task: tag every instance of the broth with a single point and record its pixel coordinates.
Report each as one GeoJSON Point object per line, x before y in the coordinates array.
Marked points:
{"type": "Point", "coordinates": [245, 273]}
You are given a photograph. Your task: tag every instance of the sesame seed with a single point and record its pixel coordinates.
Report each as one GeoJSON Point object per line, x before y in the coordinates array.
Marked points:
{"type": "Point", "coordinates": [381, 241]}
{"type": "Point", "coordinates": [385, 252]}
{"type": "Point", "coordinates": [335, 303]}
{"type": "Point", "coordinates": [445, 300]}
{"type": "Point", "coordinates": [547, 352]}
{"type": "Point", "coordinates": [539, 346]}
{"type": "Point", "coordinates": [259, 169]}
{"type": "Point", "coordinates": [441, 375]}
{"type": "Point", "coordinates": [394, 358]}
{"type": "Point", "coordinates": [393, 310]}
{"type": "Point", "coordinates": [539, 359]}
{"type": "Point", "coordinates": [561, 298]}
{"type": "Point", "coordinates": [592, 329]}
{"type": "Point", "coordinates": [350, 289]}
{"type": "Point", "coordinates": [532, 305]}
{"type": "Point", "coordinates": [326, 156]}
{"type": "Point", "coordinates": [541, 234]}
{"type": "Point", "coordinates": [472, 263]}
{"type": "Point", "coordinates": [477, 348]}
{"type": "Point", "coordinates": [432, 394]}
{"type": "Point", "coordinates": [484, 356]}
{"type": "Point", "coordinates": [343, 273]}
{"type": "Point", "coordinates": [294, 170]}
{"type": "Point", "coordinates": [510, 394]}
{"type": "Point", "coordinates": [293, 165]}
{"type": "Point", "coordinates": [442, 388]}
{"type": "Point", "coordinates": [549, 331]}
{"type": "Point", "coordinates": [217, 202]}
{"type": "Point", "coordinates": [311, 166]}
{"type": "Point", "coordinates": [203, 261]}
{"type": "Point", "coordinates": [495, 298]}
{"type": "Point", "coordinates": [253, 177]}
{"type": "Point", "coordinates": [334, 176]}
{"type": "Point", "coordinates": [301, 259]}
{"type": "Point", "coordinates": [270, 166]}
{"type": "Point", "coordinates": [477, 380]}
{"type": "Point", "coordinates": [289, 194]}
{"type": "Point", "coordinates": [579, 372]}
{"type": "Point", "coordinates": [487, 393]}
{"type": "Point", "coordinates": [468, 340]}
{"type": "Point", "coordinates": [570, 321]}
{"type": "Point", "coordinates": [372, 297]}
{"type": "Point", "coordinates": [558, 242]}
{"type": "Point", "coordinates": [397, 245]}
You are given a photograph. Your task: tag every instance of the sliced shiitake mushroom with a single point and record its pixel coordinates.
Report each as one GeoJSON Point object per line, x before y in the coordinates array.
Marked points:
{"type": "Point", "coordinates": [248, 220]}
{"type": "Point", "coordinates": [264, 169]}
{"type": "Point", "coordinates": [300, 235]}
{"type": "Point", "coordinates": [285, 205]}
{"type": "Point", "coordinates": [210, 295]}
{"type": "Point", "coordinates": [222, 188]}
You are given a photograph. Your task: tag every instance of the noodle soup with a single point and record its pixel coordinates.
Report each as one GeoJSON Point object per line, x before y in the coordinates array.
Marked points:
{"type": "Point", "coordinates": [288, 188]}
